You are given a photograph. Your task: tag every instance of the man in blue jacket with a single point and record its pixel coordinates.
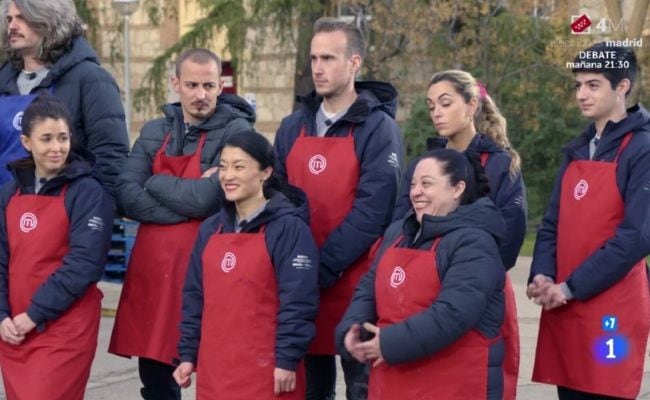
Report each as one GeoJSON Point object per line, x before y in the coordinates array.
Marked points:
{"type": "Point", "coordinates": [344, 149]}
{"type": "Point", "coordinates": [46, 51]}
{"type": "Point", "coordinates": [588, 270]}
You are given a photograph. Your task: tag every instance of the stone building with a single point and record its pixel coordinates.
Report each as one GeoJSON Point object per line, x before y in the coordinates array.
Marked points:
{"type": "Point", "coordinates": [268, 77]}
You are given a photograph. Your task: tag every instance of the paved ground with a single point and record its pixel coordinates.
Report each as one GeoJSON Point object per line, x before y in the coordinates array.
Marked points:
{"type": "Point", "coordinates": [115, 378]}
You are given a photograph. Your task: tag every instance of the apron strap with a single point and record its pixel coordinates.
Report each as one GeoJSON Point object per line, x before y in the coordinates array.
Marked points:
{"type": "Point", "coordinates": [163, 146]}
{"type": "Point", "coordinates": [202, 138]}
{"type": "Point", "coordinates": [484, 158]}
{"type": "Point", "coordinates": [623, 146]}
{"type": "Point", "coordinates": [351, 130]}
{"type": "Point", "coordinates": [436, 242]}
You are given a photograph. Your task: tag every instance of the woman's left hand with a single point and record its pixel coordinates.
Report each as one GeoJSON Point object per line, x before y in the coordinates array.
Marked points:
{"type": "Point", "coordinates": [23, 323]}
{"type": "Point", "coordinates": [371, 348]}
{"type": "Point", "coordinates": [285, 381]}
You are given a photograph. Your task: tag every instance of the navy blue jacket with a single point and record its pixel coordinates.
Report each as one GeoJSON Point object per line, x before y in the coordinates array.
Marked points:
{"type": "Point", "coordinates": [287, 236]}
{"type": "Point", "coordinates": [631, 241]}
{"type": "Point", "coordinates": [166, 199]}
{"type": "Point", "coordinates": [506, 191]}
{"type": "Point", "coordinates": [85, 200]}
{"type": "Point", "coordinates": [472, 277]}
{"type": "Point", "coordinates": [93, 99]}
{"type": "Point", "coordinates": [379, 150]}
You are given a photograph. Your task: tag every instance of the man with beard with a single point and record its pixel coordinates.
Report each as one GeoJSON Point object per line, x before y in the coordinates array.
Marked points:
{"type": "Point", "coordinates": [169, 185]}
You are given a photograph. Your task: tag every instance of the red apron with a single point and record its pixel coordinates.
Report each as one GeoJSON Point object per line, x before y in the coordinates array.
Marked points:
{"type": "Point", "coordinates": [54, 363]}
{"type": "Point", "coordinates": [146, 324]}
{"type": "Point", "coordinates": [327, 170]}
{"type": "Point", "coordinates": [240, 307]}
{"type": "Point", "coordinates": [509, 332]}
{"type": "Point", "coordinates": [591, 209]}
{"type": "Point", "coordinates": [407, 283]}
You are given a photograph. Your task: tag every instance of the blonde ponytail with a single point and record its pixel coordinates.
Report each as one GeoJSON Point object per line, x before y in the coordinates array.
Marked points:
{"type": "Point", "coordinates": [491, 122]}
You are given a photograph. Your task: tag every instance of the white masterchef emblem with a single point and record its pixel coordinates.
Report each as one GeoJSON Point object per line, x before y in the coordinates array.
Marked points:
{"type": "Point", "coordinates": [581, 189]}
{"type": "Point", "coordinates": [229, 261]}
{"type": "Point", "coordinates": [18, 121]}
{"type": "Point", "coordinates": [397, 277]}
{"type": "Point", "coordinates": [28, 222]}
{"type": "Point", "coordinates": [317, 164]}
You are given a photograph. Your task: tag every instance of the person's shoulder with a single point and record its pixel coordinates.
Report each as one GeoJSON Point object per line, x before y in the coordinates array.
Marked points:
{"type": "Point", "coordinates": [7, 190]}
{"type": "Point", "coordinates": [155, 128]}
{"type": "Point", "coordinates": [86, 182]}
{"type": "Point", "coordinates": [295, 118]}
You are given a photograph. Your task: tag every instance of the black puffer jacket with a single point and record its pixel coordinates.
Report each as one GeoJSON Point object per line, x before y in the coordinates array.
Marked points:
{"type": "Point", "coordinates": [94, 102]}
{"type": "Point", "coordinates": [166, 199]}
{"type": "Point", "coordinates": [472, 276]}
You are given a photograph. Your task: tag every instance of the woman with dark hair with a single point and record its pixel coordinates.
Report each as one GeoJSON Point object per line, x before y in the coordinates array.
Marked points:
{"type": "Point", "coordinates": [428, 315]}
{"type": "Point", "coordinates": [466, 118]}
{"type": "Point", "coordinates": [251, 292]}
{"type": "Point", "coordinates": [55, 231]}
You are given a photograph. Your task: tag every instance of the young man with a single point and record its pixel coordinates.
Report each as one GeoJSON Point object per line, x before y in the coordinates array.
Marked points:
{"type": "Point", "coordinates": [589, 260]}
{"type": "Point", "coordinates": [343, 148]}
{"type": "Point", "coordinates": [47, 53]}
{"type": "Point", "coordinates": [168, 184]}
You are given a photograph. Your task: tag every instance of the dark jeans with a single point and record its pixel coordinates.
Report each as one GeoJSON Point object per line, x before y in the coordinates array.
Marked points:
{"type": "Point", "coordinates": [564, 393]}
{"type": "Point", "coordinates": [321, 378]}
{"type": "Point", "coordinates": [157, 380]}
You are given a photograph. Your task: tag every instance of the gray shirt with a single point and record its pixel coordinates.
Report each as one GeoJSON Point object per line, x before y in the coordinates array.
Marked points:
{"type": "Point", "coordinates": [324, 120]}
{"type": "Point", "coordinates": [29, 80]}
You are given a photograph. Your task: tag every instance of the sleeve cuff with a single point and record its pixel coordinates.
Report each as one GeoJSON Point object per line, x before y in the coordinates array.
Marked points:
{"type": "Point", "coordinates": [188, 358]}
{"type": "Point", "coordinates": [567, 290]}
{"type": "Point", "coordinates": [289, 365]}
{"type": "Point", "coordinates": [37, 317]}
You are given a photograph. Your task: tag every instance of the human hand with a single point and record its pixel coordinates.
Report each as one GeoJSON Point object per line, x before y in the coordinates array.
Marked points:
{"type": "Point", "coordinates": [371, 349]}
{"type": "Point", "coordinates": [23, 323]}
{"type": "Point", "coordinates": [182, 374]}
{"type": "Point", "coordinates": [9, 333]}
{"type": "Point", "coordinates": [351, 340]}
{"type": "Point", "coordinates": [285, 381]}
{"type": "Point", "coordinates": [552, 297]}
{"type": "Point", "coordinates": [538, 285]}
{"type": "Point", "coordinates": [209, 172]}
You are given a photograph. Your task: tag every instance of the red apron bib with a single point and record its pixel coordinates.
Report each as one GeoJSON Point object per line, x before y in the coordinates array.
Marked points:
{"type": "Point", "coordinates": [407, 283]}
{"type": "Point", "coordinates": [509, 332]}
{"type": "Point", "coordinates": [146, 324]}
{"type": "Point", "coordinates": [590, 211]}
{"type": "Point", "coordinates": [54, 363]}
{"type": "Point", "coordinates": [327, 170]}
{"type": "Point", "coordinates": [240, 307]}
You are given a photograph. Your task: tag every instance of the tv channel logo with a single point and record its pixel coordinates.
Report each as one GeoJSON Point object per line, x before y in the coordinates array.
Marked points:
{"type": "Point", "coordinates": [580, 24]}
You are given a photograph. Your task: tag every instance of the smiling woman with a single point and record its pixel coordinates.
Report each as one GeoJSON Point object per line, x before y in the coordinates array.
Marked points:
{"type": "Point", "coordinates": [433, 301]}
{"type": "Point", "coordinates": [251, 293]}
{"type": "Point", "coordinates": [49, 143]}
{"type": "Point", "coordinates": [51, 257]}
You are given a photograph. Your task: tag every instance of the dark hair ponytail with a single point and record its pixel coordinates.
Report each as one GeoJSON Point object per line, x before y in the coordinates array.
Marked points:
{"type": "Point", "coordinates": [260, 149]}
{"type": "Point", "coordinates": [464, 167]}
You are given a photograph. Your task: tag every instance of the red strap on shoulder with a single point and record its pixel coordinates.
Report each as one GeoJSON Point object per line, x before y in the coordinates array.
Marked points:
{"type": "Point", "coordinates": [436, 242]}
{"type": "Point", "coordinates": [484, 158]}
{"type": "Point", "coordinates": [624, 143]}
